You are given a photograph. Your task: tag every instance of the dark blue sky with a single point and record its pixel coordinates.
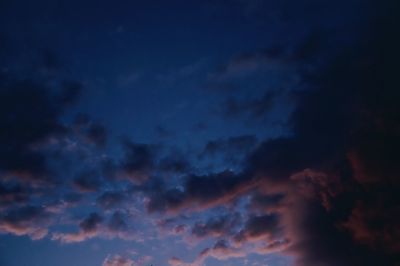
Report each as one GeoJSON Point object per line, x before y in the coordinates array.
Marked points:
{"type": "Point", "coordinates": [198, 133]}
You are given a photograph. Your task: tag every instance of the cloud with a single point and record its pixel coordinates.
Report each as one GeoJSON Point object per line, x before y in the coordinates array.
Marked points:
{"type": "Point", "coordinates": [138, 162]}
{"type": "Point", "coordinates": [230, 148]}
{"type": "Point", "coordinates": [375, 225]}
{"type": "Point", "coordinates": [88, 229]}
{"type": "Point", "coordinates": [266, 203]}
{"type": "Point", "coordinates": [89, 131]}
{"type": "Point", "coordinates": [91, 223]}
{"type": "Point", "coordinates": [117, 260]}
{"type": "Point", "coordinates": [256, 108]}
{"type": "Point", "coordinates": [216, 226]}
{"type": "Point", "coordinates": [334, 175]}
{"type": "Point", "coordinates": [220, 251]}
{"type": "Point", "coordinates": [97, 134]}
{"type": "Point", "coordinates": [96, 225]}
{"type": "Point", "coordinates": [87, 182]}
{"type": "Point", "coordinates": [200, 192]}
{"type": "Point", "coordinates": [111, 199]}
{"type": "Point", "coordinates": [259, 227]}
{"type": "Point", "coordinates": [13, 194]}
{"type": "Point", "coordinates": [29, 220]}
{"type": "Point", "coordinates": [247, 64]}
{"type": "Point", "coordinates": [174, 261]}
{"type": "Point", "coordinates": [181, 73]}
{"type": "Point", "coordinates": [329, 186]}
{"type": "Point", "coordinates": [28, 105]}
{"type": "Point", "coordinates": [163, 132]}
{"type": "Point", "coordinates": [174, 163]}
{"type": "Point", "coordinates": [117, 222]}
{"type": "Point", "coordinates": [325, 193]}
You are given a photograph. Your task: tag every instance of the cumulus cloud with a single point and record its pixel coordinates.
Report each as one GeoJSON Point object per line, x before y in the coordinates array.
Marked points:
{"type": "Point", "coordinates": [216, 226]}
{"type": "Point", "coordinates": [254, 108]}
{"type": "Point", "coordinates": [90, 132]}
{"type": "Point", "coordinates": [13, 194]}
{"type": "Point", "coordinates": [201, 192]}
{"type": "Point", "coordinates": [259, 227]}
{"type": "Point", "coordinates": [220, 251]}
{"type": "Point", "coordinates": [95, 225]}
{"type": "Point", "coordinates": [29, 220]}
{"type": "Point", "coordinates": [88, 229]}
{"type": "Point", "coordinates": [111, 199]}
{"type": "Point", "coordinates": [117, 260]}
{"type": "Point", "coordinates": [28, 105]}
{"type": "Point", "coordinates": [138, 162]}
{"type": "Point", "coordinates": [87, 181]}
{"type": "Point", "coordinates": [326, 193]}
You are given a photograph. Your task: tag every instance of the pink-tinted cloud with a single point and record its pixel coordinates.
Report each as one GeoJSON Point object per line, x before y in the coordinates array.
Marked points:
{"type": "Point", "coordinates": [117, 260]}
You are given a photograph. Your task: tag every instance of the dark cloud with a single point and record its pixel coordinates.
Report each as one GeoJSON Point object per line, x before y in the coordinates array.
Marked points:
{"type": "Point", "coordinates": [28, 220]}
{"type": "Point", "coordinates": [325, 193]}
{"type": "Point", "coordinates": [199, 192]}
{"type": "Point", "coordinates": [311, 47]}
{"type": "Point", "coordinates": [30, 106]}
{"type": "Point", "coordinates": [164, 200]}
{"type": "Point", "coordinates": [265, 203]}
{"type": "Point", "coordinates": [139, 161]}
{"type": "Point", "coordinates": [72, 198]}
{"type": "Point", "coordinates": [256, 227]}
{"type": "Point", "coordinates": [89, 131]}
{"type": "Point", "coordinates": [87, 182]}
{"type": "Point", "coordinates": [247, 65]}
{"type": "Point", "coordinates": [163, 132]}
{"type": "Point", "coordinates": [98, 225]}
{"type": "Point", "coordinates": [220, 251]}
{"type": "Point", "coordinates": [240, 144]}
{"type": "Point", "coordinates": [335, 119]}
{"type": "Point", "coordinates": [70, 92]}
{"type": "Point", "coordinates": [111, 199]}
{"type": "Point", "coordinates": [143, 161]}
{"type": "Point", "coordinates": [89, 227]}
{"type": "Point", "coordinates": [91, 223]}
{"type": "Point", "coordinates": [200, 126]}
{"type": "Point", "coordinates": [175, 162]}
{"type": "Point", "coordinates": [254, 108]}
{"type": "Point", "coordinates": [217, 226]}
{"type": "Point", "coordinates": [330, 184]}
{"type": "Point", "coordinates": [13, 194]}
{"type": "Point", "coordinates": [117, 222]}
{"type": "Point", "coordinates": [369, 225]}
{"type": "Point", "coordinates": [97, 134]}
{"type": "Point", "coordinates": [210, 188]}
{"type": "Point", "coordinates": [51, 62]}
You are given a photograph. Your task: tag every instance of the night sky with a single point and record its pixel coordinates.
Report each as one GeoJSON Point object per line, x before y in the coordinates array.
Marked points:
{"type": "Point", "coordinates": [191, 133]}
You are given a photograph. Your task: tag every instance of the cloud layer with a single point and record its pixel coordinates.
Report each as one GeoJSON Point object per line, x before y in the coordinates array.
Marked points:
{"type": "Point", "coordinates": [324, 192]}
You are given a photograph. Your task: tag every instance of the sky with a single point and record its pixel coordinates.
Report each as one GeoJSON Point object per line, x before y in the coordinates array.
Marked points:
{"type": "Point", "coordinates": [199, 133]}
